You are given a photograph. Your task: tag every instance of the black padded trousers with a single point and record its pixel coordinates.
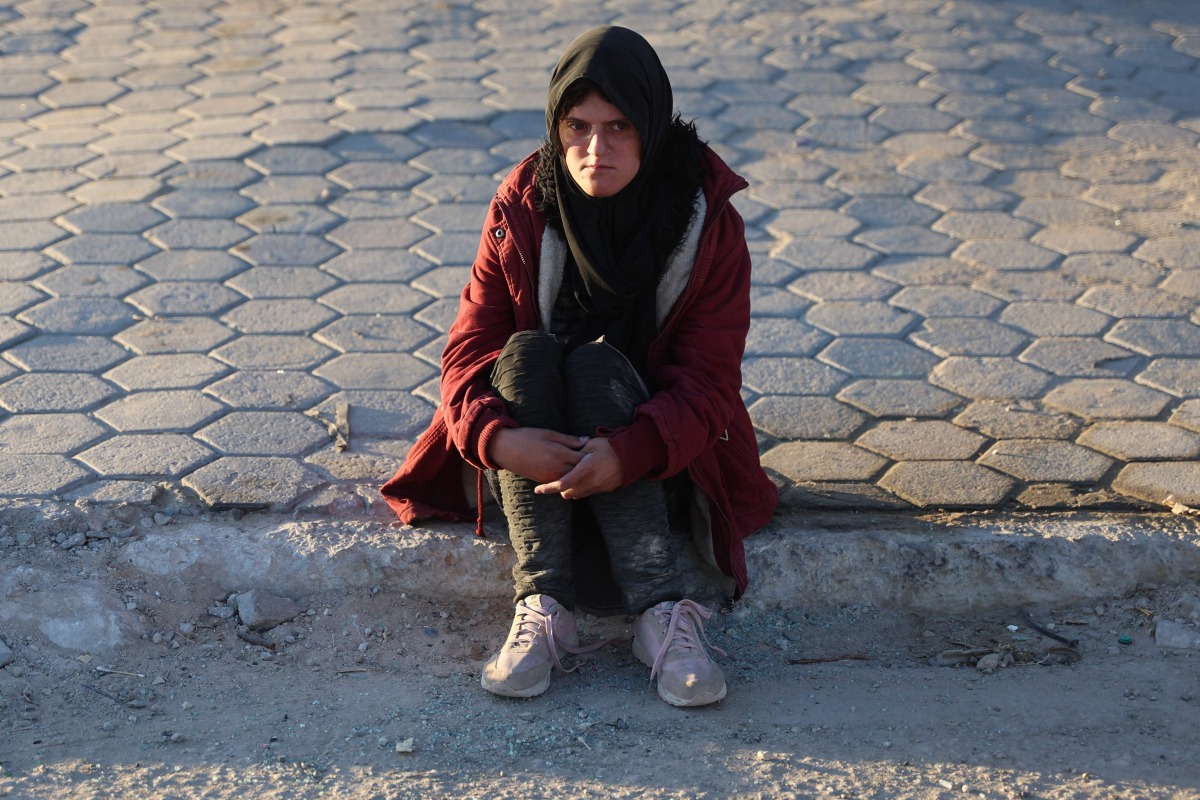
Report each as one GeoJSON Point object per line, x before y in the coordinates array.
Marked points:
{"type": "Point", "coordinates": [576, 391]}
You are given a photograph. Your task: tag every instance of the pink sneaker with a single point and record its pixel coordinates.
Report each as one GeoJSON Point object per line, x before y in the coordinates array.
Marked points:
{"type": "Point", "coordinates": [542, 630]}
{"type": "Point", "coordinates": [666, 638]}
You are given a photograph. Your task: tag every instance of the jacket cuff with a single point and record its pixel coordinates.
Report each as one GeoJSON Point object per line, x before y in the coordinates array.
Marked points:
{"type": "Point", "coordinates": [640, 449]}
{"type": "Point", "coordinates": [486, 428]}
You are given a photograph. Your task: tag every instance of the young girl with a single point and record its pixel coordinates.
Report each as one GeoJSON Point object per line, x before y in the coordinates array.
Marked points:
{"type": "Point", "coordinates": [593, 376]}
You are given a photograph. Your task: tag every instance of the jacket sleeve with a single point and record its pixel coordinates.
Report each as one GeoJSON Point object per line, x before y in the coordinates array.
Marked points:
{"type": "Point", "coordinates": [698, 373]}
{"type": "Point", "coordinates": [486, 319]}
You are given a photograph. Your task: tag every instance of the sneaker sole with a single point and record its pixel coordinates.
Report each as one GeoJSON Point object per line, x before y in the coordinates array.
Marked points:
{"type": "Point", "coordinates": [504, 691]}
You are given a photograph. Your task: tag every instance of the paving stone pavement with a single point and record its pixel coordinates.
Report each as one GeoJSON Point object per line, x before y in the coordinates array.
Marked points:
{"type": "Point", "coordinates": [232, 236]}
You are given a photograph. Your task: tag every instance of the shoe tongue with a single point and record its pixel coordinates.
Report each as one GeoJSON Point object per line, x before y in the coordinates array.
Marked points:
{"type": "Point", "coordinates": [541, 602]}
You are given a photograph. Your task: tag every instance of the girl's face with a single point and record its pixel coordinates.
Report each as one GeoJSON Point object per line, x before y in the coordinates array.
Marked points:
{"type": "Point", "coordinates": [601, 148]}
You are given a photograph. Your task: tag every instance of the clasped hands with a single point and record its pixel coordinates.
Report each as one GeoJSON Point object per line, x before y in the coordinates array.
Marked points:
{"type": "Point", "coordinates": [572, 466]}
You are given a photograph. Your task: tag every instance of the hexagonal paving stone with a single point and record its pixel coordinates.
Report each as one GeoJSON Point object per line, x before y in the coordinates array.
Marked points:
{"type": "Point", "coordinates": [921, 440]}
{"type": "Point", "coordinates": [1142, 441]}
{"type": "Point", "coordinates": [102, 280]}
{"type": "Point", "coordinates": [822, 461]}
{"type": "Point", "coordinates": [375, 371]}
{"type": "Point", "coordinates": [899, 398]}
{"type": "Point", "coordinates": [286, 250]}
{"type": "Point", "coordinates": [279, 316]}
{"type": "Point", "coordinates": [1098, 398]}
{"type": "Point", "coordinates": [252, 482]}
{"type": "Point", "coordinates": [192, 265]}
{"type": "Point", "coordinates": [66, 354]}
{"type": "Point", "coordinates": [377, 234]}
{"type": "Point", "coordinates": [198, 234]}
{"type": "Point", "coordinates": [203, 203]}
{"type": "Point", "coordinates": [1054, 319]}
{"type": "Point", "coordinates": [363, 334]}
{"type": "Point", "coordinates": [292, 160]}
{"type": "Point", "coordinates": [1156, 482]}
{"type": "Point", "coordinates": [945, 301]}
{"type": "Point", "coordinates": [947, 484]}
{"type": "Point", "coordinates": [265, 433]}
{"type": "Point", "coordinates": [867, 357]}
{"type": "Point", "coordinates": [811, 418]}
{"type": "Point", "coordinates": [1014, 420]}
{"type": "Point", "coordinates": [947, 336]}
{"type": "Point", "coordinates": [48, 433]}
{"type": "Point", "coordinates": [153, 411]}
{"type": "Point", "coordinates": [37, 475]}
{"type": "Point", "coordinates": [189, 334]}
{"type": "Point", "coordinates": [825, 253]}
{"type": "Point", "coordinates": [788, 375]}
{"type": "Point", "coordinates": [171, 371]}
{"type": "Point", "coordinates": [1136, 301]}
{"type": "Point", "coordinates": [989, 378]}
{"type": "Point", "coordinates": [95, 316]}
{"type": "Point", "coordinates": [270, 390]}
{"type": "Point", "coordinates": [1179, 376]}
{"type": "Point", "coordinates": [54, 391]}
{"type": "Point", "coordinates": [377, 175]}
{"type": "Point", "coordinates": [102, 248]}
{"type": "Point", "coordinates": [1046, 461]}
{"type": "Point", "coordinates": [184, 298]}
{"type": "Point", "coordinates": [12, 332]}
{"type": "Point", "coordinates": [376, 298]}
{"type": "Point", "coordinates": [282, 282]}
{"type": "Point", "coordinates": [1080, 357]}
{"type": "Point", "coordinates": [1005, 254]}
{"type": "Point", "coordinates": [1157, 337]}
{"type": "Point", "coordinates": [293, 218]}
{"type": "Point", "coordinates": [1187, 415]}
{"type": "Point", "coordinates": [255, 351]}
{"type": "Point", "coordinates": [852, 318]}
{"type": "Point", "coordinates": [112, 218]}
{"type": "Point", "coordinates": [780, 336]}
{"type": "Point", "coordinates": [151, 455]}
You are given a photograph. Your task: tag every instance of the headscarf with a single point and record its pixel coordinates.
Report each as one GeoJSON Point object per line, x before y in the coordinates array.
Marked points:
{"type": "Point", "coordinates": [611, 239]}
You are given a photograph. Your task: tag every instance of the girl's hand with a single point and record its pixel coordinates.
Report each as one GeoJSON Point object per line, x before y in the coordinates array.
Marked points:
{"type": "Point", "coordinates": [597, 471]}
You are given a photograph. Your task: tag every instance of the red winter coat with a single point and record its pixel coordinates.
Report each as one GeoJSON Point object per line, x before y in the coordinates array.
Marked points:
{"type": "Point", "coordinates": [695, 420]}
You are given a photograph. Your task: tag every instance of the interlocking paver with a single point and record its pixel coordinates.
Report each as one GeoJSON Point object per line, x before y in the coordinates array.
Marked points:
{"type": "Point", "coordinates": [1007, 420]}
{"type": "Point", "coordinates": [822, 461]}
{"type": "Point", "coordinates": [269, 390]}
{"type": "Point", "coordinates": [48, 434]}
{"type": "Point", "coordinates": [1080, 357]}
{"type": "Point", "coordinates": [1179, 376]}
{"type": "Point", "coordinates": [203, 203]}
{"type": "Point", "coordinates": [868, 357]}
{"type": "Point", "coordinates": [265, 433]}
{"type": "Point", "coordinates": [1046, 461]}
{"type": "Point", "coordinates": [947, 484]}
{"type": "Point", "coordinates": [1142, 441]}
{"type": "Point", "coordinates": [261, 351]}
{"type": "Point", "coordinates": [899, 398]}
{"type": "Point", "coordinates": [88, 316]}
{"type": "Point", "coordinates": [278, 316]}
{"type": "Point", "coordinates": [920, 440]}
{"type": "Point", "coordinates": [66, 353]}
{"type": "Point", "coordinates": [803, 417]}
{"type": "Point", "coordinates": [160, 411]}
{"type": "Point", "coordinates": [184, 298]}
{"type": "Point", "coordinates": [1155, 482]}
{"type": "Point", "coordinates": [169, 455]}
{"type": "Point", "coordinates": [170, 371]}
{"type": "Point", "coordinates": [1157, 337]}
{"type": "Point", "coordinates": [37, 475]}
{"type": "Point", "coordinates": [286, 250]}
{"type": "Point", "coordinates": [254, 482]}
{"type": "Point", "coordinates": [987, 378]}
{"type": "Point", "coordinates": [54, 391]}
{"type": "Point", "coordinates": [1093, 399]}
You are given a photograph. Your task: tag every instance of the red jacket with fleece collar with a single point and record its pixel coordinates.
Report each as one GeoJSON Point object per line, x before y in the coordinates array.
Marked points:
{"type": "Point", "coordinates": [695, 419]}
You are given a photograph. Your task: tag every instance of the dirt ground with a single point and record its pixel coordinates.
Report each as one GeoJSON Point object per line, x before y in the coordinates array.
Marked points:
{"type": "Point", "coordinates": [370, 695]}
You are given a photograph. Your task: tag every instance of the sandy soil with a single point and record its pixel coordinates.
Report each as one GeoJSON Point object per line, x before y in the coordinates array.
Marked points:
{"type": "Point", "coordinates": [370, 695]}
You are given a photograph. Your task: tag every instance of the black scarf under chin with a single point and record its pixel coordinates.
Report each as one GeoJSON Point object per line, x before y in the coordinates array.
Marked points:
{"type": "Point", "coordinates": [616, 265]}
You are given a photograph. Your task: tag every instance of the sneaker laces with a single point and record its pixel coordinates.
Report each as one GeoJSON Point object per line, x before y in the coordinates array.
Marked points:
{"type": "Point", "coordinates": [532, 624]}
{"type": "Point", "coordinates": [684, 619]}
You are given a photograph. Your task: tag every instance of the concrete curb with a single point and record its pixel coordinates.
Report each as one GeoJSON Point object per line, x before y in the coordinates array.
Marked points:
{"type": "Point", "coordinates": [946, 563]}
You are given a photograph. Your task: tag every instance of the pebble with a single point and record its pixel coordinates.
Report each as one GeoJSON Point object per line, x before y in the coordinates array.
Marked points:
{"type": "Point", "coordinates": [74, 540]}
{"type": "Point", "coordinates": [221, 612]}
{"type": "Point", "coordinates": [109, 726]}
{"type": "Point", "coordinates": [187, 628]}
